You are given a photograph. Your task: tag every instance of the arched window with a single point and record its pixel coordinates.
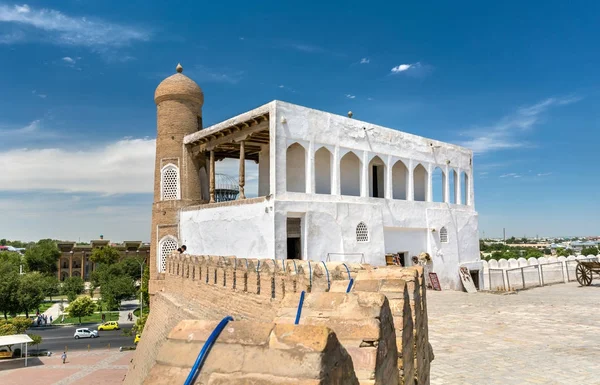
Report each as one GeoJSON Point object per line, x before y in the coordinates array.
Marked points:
{"type": "Point", "coordinates": [362, 233]}
{"type": "Point", "coordinates": [350, 175]}
{"type": "Point", "coordinates": [443, 235]}
{"type": "Point", "coordinates": [323, 171]}
{"type": "Point", "coordinates": [169, 183]}
{"type": "Point", "coordinates": [165, 247]}
{"type": "Point", "coordinates": [399, 180]}
{"type": "Point", "coordinates": [295, 170]}
{"type": "Point", "coordinates": [438, 179]}
{"type": "Point", "coordinates": [420, 181]}
{"type": "Point", "coordinates": [464, 185]}
{"type": "Point", "coordinates": [377, 178]}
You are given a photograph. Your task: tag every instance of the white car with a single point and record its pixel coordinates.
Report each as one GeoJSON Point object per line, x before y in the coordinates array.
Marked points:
{"type": "Point", "coordinates": [85, 333]}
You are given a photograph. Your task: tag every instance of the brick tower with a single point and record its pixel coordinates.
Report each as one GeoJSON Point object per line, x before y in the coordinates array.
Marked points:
{"type": "Point", "coordinates": [177, 174]}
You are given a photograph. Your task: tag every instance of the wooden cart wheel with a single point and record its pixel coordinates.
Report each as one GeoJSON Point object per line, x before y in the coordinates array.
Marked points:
{"type": "Point", "coordinates": [584, 275]}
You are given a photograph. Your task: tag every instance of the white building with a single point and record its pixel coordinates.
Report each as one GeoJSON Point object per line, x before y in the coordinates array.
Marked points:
{"type": "Point", "coordinates": [330, 188]}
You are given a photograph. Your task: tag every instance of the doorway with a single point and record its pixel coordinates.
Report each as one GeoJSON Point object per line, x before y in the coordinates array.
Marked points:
{"type": "Point", "coordinates": [294, 237]}
{"type": "Point", "coordinates": [475, 278]}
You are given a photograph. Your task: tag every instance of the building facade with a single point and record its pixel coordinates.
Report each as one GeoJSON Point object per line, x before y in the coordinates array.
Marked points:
{"type": "Point", "coordinates": [330, 188]}
{"type": "Point", "coordinates": [75, 261]}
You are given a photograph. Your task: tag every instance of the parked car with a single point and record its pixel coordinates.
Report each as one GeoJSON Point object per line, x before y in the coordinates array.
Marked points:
{"type": "Point", "coordinates": [85, 333]}
{"type": "Point", "coordinates": [137, 338]}
{"type": "Point", "coordinates": [110, 325]}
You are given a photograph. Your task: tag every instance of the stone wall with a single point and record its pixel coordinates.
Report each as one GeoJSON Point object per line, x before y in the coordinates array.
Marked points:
{"type": "Point", "coordinates": [378, 329]}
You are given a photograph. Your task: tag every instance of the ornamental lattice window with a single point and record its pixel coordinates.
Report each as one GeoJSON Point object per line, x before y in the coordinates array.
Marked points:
{"type": "Point", "coordinates": [362, 233]}
{"type": "Point", "coordinates": [169, 183]}
{"type": "Point", "coordinates": [443, 235]}
{"type": "Point", "coordinates": [166, 246]}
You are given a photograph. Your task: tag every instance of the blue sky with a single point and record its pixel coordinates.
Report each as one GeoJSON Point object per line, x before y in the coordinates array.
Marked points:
{"type": "Point", "coordinates": [515, 81]}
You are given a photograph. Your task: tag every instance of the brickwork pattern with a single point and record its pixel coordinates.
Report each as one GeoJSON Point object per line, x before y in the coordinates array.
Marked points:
{"type": "Point", "coordinates": [381, 324]}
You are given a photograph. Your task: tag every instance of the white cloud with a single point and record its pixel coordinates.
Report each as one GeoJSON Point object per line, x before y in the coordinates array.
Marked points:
{"type": "Point", "coordinates": [510, 175]}
{"type": "Point", "coordinates": [544, 174]}
{"type": "Point", "coordinates": [68, 59]}
{"type": "Point", "coordinates": [55, 27]}
{"type": "Point", "coordinates": [401, 68]}
{"type": "Point", "coordinates": [125, 166]}
{"type": "Point", "coordinates": [281, 86]}
{"type": "Point", "coordinates": [203, 74]}
{"type": "Point", "coordinates": [122, 167]}
{"type": "Point", "coordinates": [351, 96]}
{"type": "Point", "coordinates": [13, 133]}
{"type": "Point", "coordinates": [365, 60]}
{"type": "Point", "coordinates": [506, 134]}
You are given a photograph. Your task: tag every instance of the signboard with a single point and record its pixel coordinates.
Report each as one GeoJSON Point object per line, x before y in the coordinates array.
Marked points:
{"type": "Point", "coordinates": [467, 281]}
{"type": "Point", "coordinates": [435, 283]}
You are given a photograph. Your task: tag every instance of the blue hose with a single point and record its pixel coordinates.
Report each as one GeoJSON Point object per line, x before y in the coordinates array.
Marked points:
{"type": "Point", "coordinates": [327, 271]}
{"type": "Point", "coordinates": [350, 285]}
{"type": "Point", "coordinates": [299, 312]}
{"type": "Point", "coordinates": [348, 270]}
{"type": "Point", "coordinates": [191, 378]}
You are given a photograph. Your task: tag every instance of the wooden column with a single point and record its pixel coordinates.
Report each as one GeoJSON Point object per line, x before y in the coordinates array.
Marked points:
{"type": "Point", "coordinates": [212, 177]}
{"type": "Point", "coordinates": [82, 269]}
{"type": "Point", "coordinates": [242, 169]}
{"type": "Point", "coordinates": [71, 264]}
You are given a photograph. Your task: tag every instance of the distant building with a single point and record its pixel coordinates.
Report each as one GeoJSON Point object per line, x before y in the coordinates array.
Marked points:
{"type": "Point", "coordinates": [75, 259]}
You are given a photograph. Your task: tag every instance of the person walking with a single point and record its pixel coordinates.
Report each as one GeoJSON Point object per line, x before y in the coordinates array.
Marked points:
{"type": "Point", "coordinates": [64, 357]}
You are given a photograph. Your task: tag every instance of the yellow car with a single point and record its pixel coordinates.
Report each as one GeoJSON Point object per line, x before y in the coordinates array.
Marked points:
{"type": "Point", "coordinates": [111, 325]}
{"type": "Point", "coordinates": [137, 338]}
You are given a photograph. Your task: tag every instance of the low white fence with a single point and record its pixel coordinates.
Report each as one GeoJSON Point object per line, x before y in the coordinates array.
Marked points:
{"type": "Point", "coordinates": [516, 274]}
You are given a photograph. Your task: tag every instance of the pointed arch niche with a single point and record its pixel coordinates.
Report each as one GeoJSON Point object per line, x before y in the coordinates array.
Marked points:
{"type": "Point", "coordinates": [420, 180]}
{"type": "Point", "coordinates": [323, 160]}
{"type": "Point", "coordinates": [453, 185]}
{"type": "Point", "coordinates": [464, 188]}
{"type": "Point", "coordinates": [295, 168]}
{"type": "Point", "coordinates": [399, 180]}
{"type": "Point", "coordinates": [376, 178]}
{"type": "Point", "coordinates": [438, 180]}
{"type": "Point", "coordinates": [350, 174]}
{"type": "Point", "coordinates": [166, 246]}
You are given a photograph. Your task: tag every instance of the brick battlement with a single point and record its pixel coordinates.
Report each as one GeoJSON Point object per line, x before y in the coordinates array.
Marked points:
{"type": "Point", "coordinates": [381, 325]}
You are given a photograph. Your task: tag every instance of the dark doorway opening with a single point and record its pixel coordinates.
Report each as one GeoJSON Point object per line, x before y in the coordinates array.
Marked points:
{"type": "Point", "coordinates": [475, 278]}
{"type": "Point", "coordinates": [294, 236]}
{"type": "Point", "coordinates": [377, 181]}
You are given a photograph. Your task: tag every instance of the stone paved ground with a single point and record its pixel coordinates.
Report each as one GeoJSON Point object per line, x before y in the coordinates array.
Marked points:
{"type": "Point", "coordinates": [548, 335]}
{"type": "Point", "coordinates": [89, 368]}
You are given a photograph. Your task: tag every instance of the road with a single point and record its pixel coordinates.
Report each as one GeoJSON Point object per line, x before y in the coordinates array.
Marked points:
{"type": "Point", "coordinates": [55, 338]}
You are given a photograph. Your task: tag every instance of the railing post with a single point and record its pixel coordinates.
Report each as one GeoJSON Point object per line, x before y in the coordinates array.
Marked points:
{"type": "Point", "coordinates": [507, 280]}
{"type": "Point", "coordinates": [523, 276]}
{"type": "Point", "coordinates": [542, 274]}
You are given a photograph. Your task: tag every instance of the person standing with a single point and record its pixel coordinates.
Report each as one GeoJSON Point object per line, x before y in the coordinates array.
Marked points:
{"type": "Point", "coordinates": [64, 357]}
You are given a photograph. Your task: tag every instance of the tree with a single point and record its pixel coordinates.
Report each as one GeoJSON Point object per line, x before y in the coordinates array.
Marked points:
{"type": "Point", "coordinates": [42, 257]}
{"type": "Point", "coordinates": [50, 286]}
{"type": "Point", "coordinates": [72, 287]}
{"type": "Point", "coordinates": [35, 341]}
{"type": "Point", "coordinates": [9, 285]}
{"type": "Point", "coordinates": [131, 267]}
{"type": "Point", "coordinates": [116, 289]}
{"type": "Point", "coordinates": [144, 288]}
{"type": "Point", "coordinates": [2, 242]}
{"type": "Point", "coordinates": [21, 324]}
{"type": "Point", "coordinates": [106, 255]}
{"type": "Point", "coordinates": [589, 251]}
{"type": "Point", "coordinates": [81, 307]}
{"type": "Point", "coordinates": [30, 293]}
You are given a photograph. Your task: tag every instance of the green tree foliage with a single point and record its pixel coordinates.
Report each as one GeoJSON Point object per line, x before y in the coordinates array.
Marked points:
{"type": "Point", "coordinates": [81, 307]}
{"type": "Point", "coordinates": [589, 251]}
{"type": "Point", "coordinates": [42, 257]}
{"type": "Point", "coordinates": [30, 293]}
{"type": "Point", "coordinates": [140, 323]}
{"type": "Point", "coordinates": [72, 287]}
{"type": "Point", "coordinates": [115, 284]}
{"type": "Point", "coordinates": [144, 288]}
{"type": "Point", "coordinates": [36, 340]}
{"type": "Point", "coordinates": [21, 324]}
{"type": "Point", "coordinates": [563, 252]}
{"type": "Point", "coordinates": [131, 267]}
{"type": "Point", "coordinates": [7, 328]}
{"type": "Point", "coordinates": [106, 255]}
{"type": "Point", "coordinates": [9, 283]}
{"type": "Point", "coordinates": [3, 242]}
{"type": "Point", "coordinates": [50, 285]}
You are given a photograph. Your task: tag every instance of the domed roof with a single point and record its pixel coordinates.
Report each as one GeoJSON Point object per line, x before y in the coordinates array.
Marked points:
{"type": "Point", "coordinates": [178, 86]}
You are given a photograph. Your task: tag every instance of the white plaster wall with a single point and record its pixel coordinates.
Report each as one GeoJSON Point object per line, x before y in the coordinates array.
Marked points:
{"type": "Point", "coordinates": [462, 246]}
{"type": "Point", "coordinates": [331, 228]}
{"type": "Point", "coordinates": [323, 171]}
{"type": "Point", "coordinates": [295, 168]}
{"type": "Point", "coordinates": [398, 239]}
{"type": "Point", "coordinates": [264, 170]}
{"type": "Point", "coordinates": [245, 231]}
{"type": "Point", "coordinates": [350, 169]}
